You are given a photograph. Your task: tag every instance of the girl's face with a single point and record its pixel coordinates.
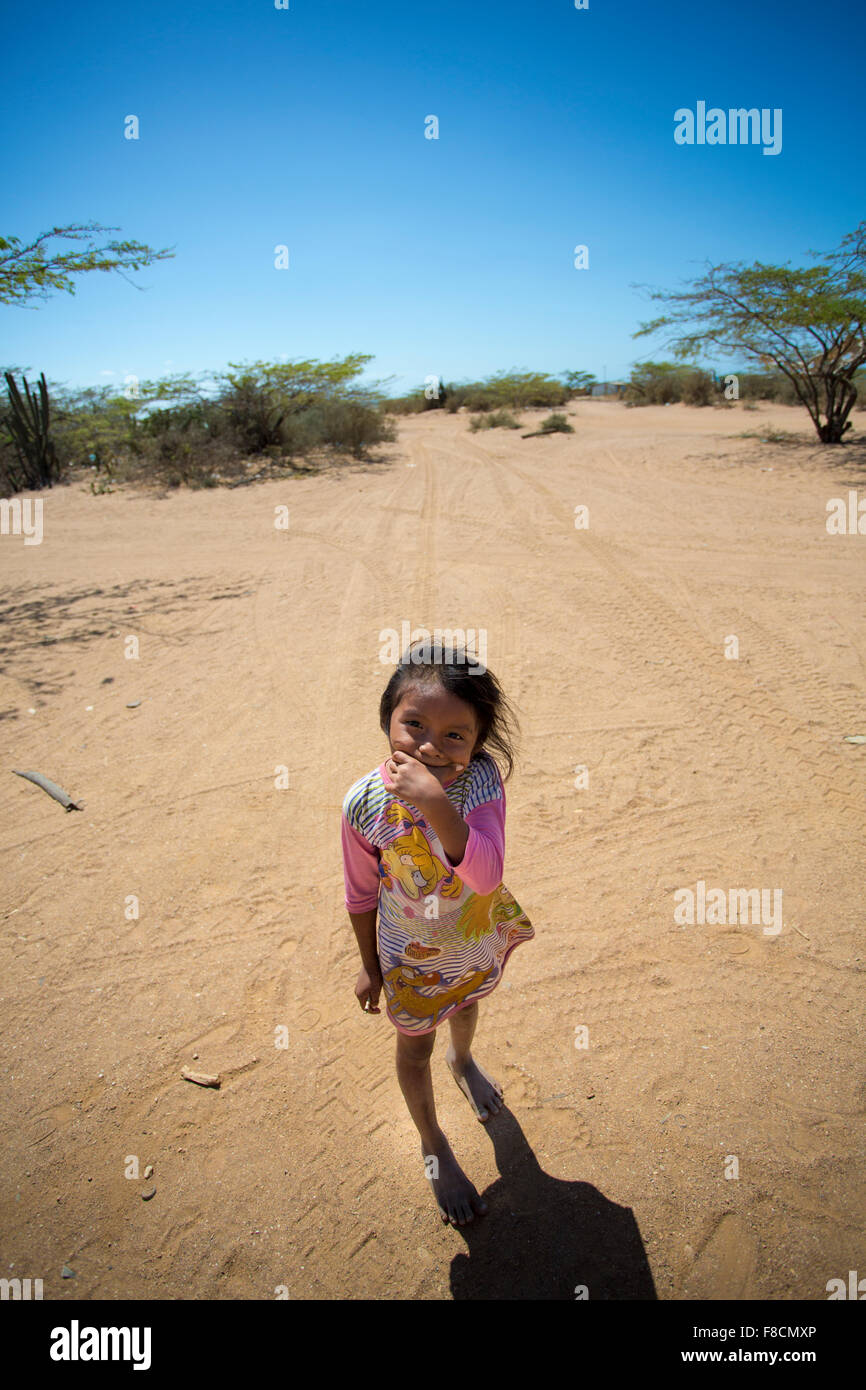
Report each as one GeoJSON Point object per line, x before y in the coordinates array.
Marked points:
{"type": "Point", "coordinates": [435, 727]}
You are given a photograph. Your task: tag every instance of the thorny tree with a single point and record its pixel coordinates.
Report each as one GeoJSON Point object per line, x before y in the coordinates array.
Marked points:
{"type": "Point", "coordinates": [809, 322]}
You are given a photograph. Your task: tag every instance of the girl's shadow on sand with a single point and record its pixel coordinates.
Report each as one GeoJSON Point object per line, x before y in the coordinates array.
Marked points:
{"type": "Point", "coordinates": [545, 1238]}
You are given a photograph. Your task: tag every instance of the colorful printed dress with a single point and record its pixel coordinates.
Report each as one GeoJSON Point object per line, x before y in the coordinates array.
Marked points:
{"type": "Point", "coordinates": [443, 936]}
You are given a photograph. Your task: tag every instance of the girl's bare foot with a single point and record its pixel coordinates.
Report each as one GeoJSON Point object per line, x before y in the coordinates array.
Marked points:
{"type": "Point", "coordinates": [456, 1197]}
{"type": "Point", "coordinates": [483, 1093]}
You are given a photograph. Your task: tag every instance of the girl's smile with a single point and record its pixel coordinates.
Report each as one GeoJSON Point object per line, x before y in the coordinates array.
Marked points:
{"type": "Point", "coordinates": [435, 727]}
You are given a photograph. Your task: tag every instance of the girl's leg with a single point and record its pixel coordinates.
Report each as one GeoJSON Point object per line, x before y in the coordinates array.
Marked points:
{"type": "Point", "coordinates": [416, 1083]}
{"type": "Point", "coordinates": [456, 1197]}
{"type": "Point", "coordinates": [483, 1093]}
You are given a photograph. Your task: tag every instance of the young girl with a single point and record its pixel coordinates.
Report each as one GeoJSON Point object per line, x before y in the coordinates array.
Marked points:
{"type": "Point", "coordinates": [423, 848]}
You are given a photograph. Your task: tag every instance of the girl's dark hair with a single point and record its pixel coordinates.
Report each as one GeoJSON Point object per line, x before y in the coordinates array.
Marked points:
{"type": "Point", "coordinates": [451, 668]}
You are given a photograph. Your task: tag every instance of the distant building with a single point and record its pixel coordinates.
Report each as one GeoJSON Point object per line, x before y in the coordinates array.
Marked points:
{"type": "Point", "coordinates": [609, 388]}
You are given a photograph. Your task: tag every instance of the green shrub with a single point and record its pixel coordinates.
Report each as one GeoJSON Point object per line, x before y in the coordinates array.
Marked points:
{"type": "Point", "coordinates": [93, 427]}
{"type": "Point", "coordinates": [508, 390]}
{"type": "Point", "coordinates": [552, 424]}
{"type": "Point", "coordinates": [556, 423]}
{"type": "Point", "coordinates": [349, 425]}
{"type": "Point", "coordinates": [663, 383]}
{"type": "Point", "coordinates": [698, 388]}
{"type": "Point", "coordinates": [766, 386]}
{"type": "Point", "coordinates": [174, 453]}
{"type": "Point", "coordinates": [417, 401]}
{"type": "Point", "coordinates": [776, 387]}
{"type": "Point", "coordinates": [413, 404]}
{"type": "Point", "coordinates": [175, 434]}
{"type": "Point", "coordinates": [497, 419]}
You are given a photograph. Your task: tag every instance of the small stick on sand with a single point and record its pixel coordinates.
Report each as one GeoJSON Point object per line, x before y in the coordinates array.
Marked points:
{"type": "Point", "coordinates": [200, 1078]}
{"type": "Point", "coordinates": [51, 788]}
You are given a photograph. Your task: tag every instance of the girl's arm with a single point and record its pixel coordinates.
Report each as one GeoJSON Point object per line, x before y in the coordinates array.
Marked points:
{"type": "Point", "coordinates": [360, 869]}
{"type": "Point", "coordinates": [361, 875]}
{"type": "Point", "coordinates": [475, 846]}
{"type": "Point", "coordinates": [364, 926]}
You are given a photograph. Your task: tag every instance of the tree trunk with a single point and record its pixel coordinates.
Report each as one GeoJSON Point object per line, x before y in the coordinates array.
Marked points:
{"type": "Point", "coordinates": [841, 395]}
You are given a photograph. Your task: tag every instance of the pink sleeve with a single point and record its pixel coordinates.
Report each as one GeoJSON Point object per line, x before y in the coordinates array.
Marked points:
{"type": "Point", "coordinates": [484, 855]}
{"type": "Point", "coordinates": [360, 870]}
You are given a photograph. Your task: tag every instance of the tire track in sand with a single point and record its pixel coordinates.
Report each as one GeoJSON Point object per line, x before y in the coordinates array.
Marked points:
{"type": "Point", "coordinates": [640, 610]}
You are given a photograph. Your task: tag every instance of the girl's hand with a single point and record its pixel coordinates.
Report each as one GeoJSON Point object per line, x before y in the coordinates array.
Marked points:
{"type": "Point", "coordinates": [411, 780]}
{"type": "Point", "coordinates": [367, 990]}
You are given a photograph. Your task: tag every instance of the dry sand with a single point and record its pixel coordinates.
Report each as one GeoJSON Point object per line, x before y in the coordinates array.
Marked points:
{"type": "Point", "coordinates": [259, 648]}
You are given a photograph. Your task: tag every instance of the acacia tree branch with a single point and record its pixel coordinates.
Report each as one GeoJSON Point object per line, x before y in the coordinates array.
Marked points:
{"type": "Point", "coordinates": [26, 272]}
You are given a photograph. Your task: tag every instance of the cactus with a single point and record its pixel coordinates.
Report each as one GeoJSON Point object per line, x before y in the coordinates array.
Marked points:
{"type": "Point", "coordinates": [30, 430]}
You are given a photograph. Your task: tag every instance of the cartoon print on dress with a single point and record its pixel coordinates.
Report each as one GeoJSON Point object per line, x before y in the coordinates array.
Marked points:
{"type": "Point", "coordinates": [485, 910]}
{"type": "Point", "coordinates": [418, 951]}
{"type": "Point", "coordinates": [404, 984]}
{"type": "Point", "coordinates": [409, 860]}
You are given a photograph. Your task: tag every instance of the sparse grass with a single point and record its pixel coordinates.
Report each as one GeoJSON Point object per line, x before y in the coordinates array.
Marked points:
{"type": "Point", "coordinates": [773, 436]}
{"type": "Point", "coordinates": [552, 424]}
{"type": "Point", "coordinates": [497, 419]}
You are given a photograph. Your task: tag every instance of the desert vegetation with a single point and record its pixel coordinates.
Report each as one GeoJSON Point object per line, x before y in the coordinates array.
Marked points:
{"type": "Point", "coordinates": [803, 329]}
{"type": "Point", "coordinates": [261, 417]}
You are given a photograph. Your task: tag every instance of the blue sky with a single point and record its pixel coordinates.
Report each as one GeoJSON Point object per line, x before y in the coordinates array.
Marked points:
{"type": "Point", "coordinates": [305, 127]}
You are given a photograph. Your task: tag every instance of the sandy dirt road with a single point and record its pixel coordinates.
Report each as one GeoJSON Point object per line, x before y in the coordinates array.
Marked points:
{"type": "Point", "coordinates": [259, 648]}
